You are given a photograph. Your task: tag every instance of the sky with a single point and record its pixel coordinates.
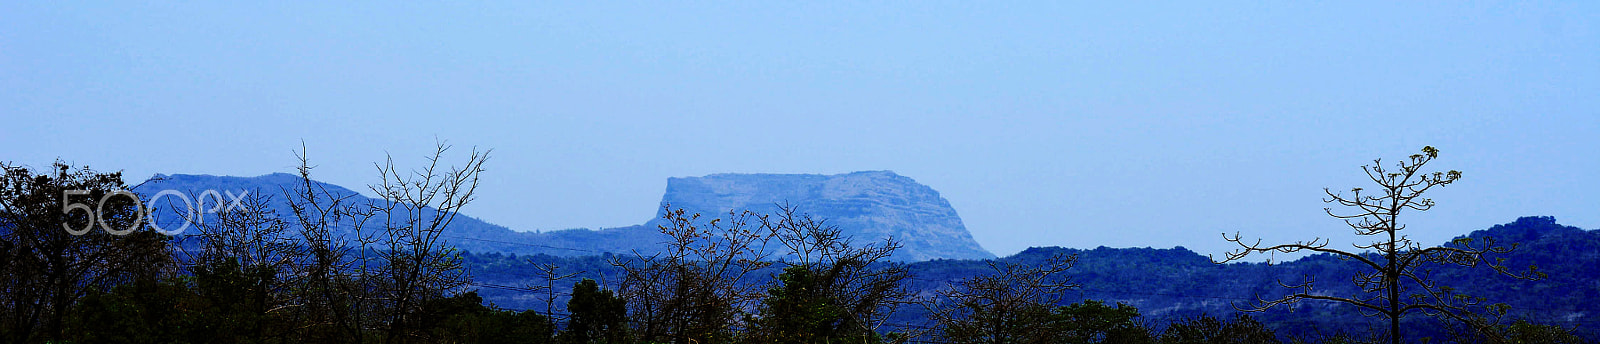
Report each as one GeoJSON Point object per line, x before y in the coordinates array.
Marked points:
{"type": "Point", "coordinates": [1076, 124]}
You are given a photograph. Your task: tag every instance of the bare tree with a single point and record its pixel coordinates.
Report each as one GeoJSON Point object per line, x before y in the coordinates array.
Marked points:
{"type": "Point", "coordinates": [1011, 305]}
{"type": "Point", "coordinates": [696, 290]}
{"type": "Point", "coordinates": [372, 266]}
{"type": "Point", "coordinates": [329, 296]}
{"type": "Point", "coordinates": [551, 274]}
{"type": "Point", "coordinates": [1397, 278]}
{"type": "Point", "coordinates": [416, 264]}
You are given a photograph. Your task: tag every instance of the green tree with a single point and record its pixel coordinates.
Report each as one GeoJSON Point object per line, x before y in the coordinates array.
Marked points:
{"type": "Point", "coordinates": [1396, 280]}
{"type": "Point", "coordinates": [1094, 322]}
{"type": "Point", "coordinates": [831, 290]}
{"type": "Point", "coordinates": [598, 317]}
{"type": "Point", "coordinates": [797, 311]}
{"type": "Point", "coordinates": [463, 318]}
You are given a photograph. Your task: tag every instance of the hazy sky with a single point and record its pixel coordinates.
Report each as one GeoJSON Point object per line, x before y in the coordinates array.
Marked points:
{"type": "Point", "coordinates": [1074, 125]}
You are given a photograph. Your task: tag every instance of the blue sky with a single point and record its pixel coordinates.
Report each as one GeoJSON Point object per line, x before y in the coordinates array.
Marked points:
{"type": "Point", "coordinates": [1043, 123]}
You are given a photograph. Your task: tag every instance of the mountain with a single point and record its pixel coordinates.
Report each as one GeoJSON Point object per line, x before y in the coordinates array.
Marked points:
{"type": "Point", "coordinates": [273, 187]}
{"type": "Point", "coordinates": [870, 206]}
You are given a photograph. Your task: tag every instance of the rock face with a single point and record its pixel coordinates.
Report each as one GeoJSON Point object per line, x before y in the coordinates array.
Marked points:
{"type": "Point", "coordinates": [868, 206]}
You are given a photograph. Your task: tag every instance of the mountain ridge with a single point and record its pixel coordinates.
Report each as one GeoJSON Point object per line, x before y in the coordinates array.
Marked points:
{"type": "Point", "coordinates": [473, 234]}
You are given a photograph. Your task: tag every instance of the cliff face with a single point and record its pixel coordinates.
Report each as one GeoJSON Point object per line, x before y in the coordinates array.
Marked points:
{"type": "Point", "coordinates": [869, 206]}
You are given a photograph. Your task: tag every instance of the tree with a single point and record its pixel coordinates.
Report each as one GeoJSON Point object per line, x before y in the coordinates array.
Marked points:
{"type": "Point", "coordinates": [1206, 329]}
{"type": "Point", "coordinates": [550, 273]}
{"type": "Point", "coordinates": [1397, 278]}
{"type": "Point", "coordinates": [598, 317]}
{"type": "Point", "coordinates": [66, 233]}
{"type": "Point", "coordinates": [415, 264]}
{"type": "Point", "coordinates": [696, 289]}
{"type": "Point", "coordinates": [797, 311]}
{"type": "Point", "coordinates": [329, 296]}
{"type": "Point", "coordinates": [831, 291]}
{"type": "Point", "coordinates": [358, 281]}
{"type": "Point", "coordinates": [244, 269]}
{"type": "Point", "coordinates": [1012, 305]}
{"type": "Point", "coordinates": [1094, 322]}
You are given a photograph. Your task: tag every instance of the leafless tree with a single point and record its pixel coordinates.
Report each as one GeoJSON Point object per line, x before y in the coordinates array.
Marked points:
{"type": "Point", "coordinates": [330, 296]}
{"type": "Point", "coordinates": [551, 274]}
{"type": "Point", "coordinates": [416, 264]}
{"type": "Point", "coordinates": [696, 290]}
{"type": "Point", "coordinates": [371, 266]}
{"type": "Point", "coordinates": [1397, 279]}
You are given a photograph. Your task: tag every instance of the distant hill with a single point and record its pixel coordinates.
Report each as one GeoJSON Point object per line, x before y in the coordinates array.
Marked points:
{"type": "Point", "coordinates": [868, 205]}
{"type": "Point", "coordinates": [275, 185]}
{"type": "Point", "coordinates": [1172, 283]}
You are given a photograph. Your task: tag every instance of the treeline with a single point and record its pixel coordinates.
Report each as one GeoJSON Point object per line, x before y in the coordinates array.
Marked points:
{"type": "Point", "coordinates": [80, 268]}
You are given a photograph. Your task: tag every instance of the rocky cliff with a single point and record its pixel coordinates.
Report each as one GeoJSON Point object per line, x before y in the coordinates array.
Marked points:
{"type": "Point", "coordinates": [868, 206]}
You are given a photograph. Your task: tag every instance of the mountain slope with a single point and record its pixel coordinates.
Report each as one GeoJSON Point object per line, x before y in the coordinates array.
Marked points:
{"type": "Point", "coordinates": [274, 186]}
{"type": "Point", "coordinates": [869, 205]}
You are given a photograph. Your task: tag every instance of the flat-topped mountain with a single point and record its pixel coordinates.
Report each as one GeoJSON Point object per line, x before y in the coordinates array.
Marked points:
{"type": "Point", "coordinates": [869, 206]}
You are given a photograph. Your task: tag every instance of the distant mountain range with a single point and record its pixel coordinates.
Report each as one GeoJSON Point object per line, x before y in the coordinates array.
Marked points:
{"type": "Point", "coordinates": [1165, 284]}
{"type": "Point", "coordinates": [869, 206]}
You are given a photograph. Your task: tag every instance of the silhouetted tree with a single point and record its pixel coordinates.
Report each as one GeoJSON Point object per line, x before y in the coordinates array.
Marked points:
{"type": "Point", "coordinates": [1397, 278]}
{"type": "Point", "coordinates": [550, 274]}
{"type": "Point", "coordinates": [244, 269]}
{"type": "Point", "coordinates": [596, 316]}
{"type": "Point", "coordinates": [67, 233]}
{"type": "Point", "coordinates": [462, 318]}
{"type": "Point", "coordinates": [415, 264]}
{"type": "Point", "coordinates": [331, 295]}
{"type": "Point", "coordinates": [695, 290]}
{"type": "Point", "coordinates": [371, 267]}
